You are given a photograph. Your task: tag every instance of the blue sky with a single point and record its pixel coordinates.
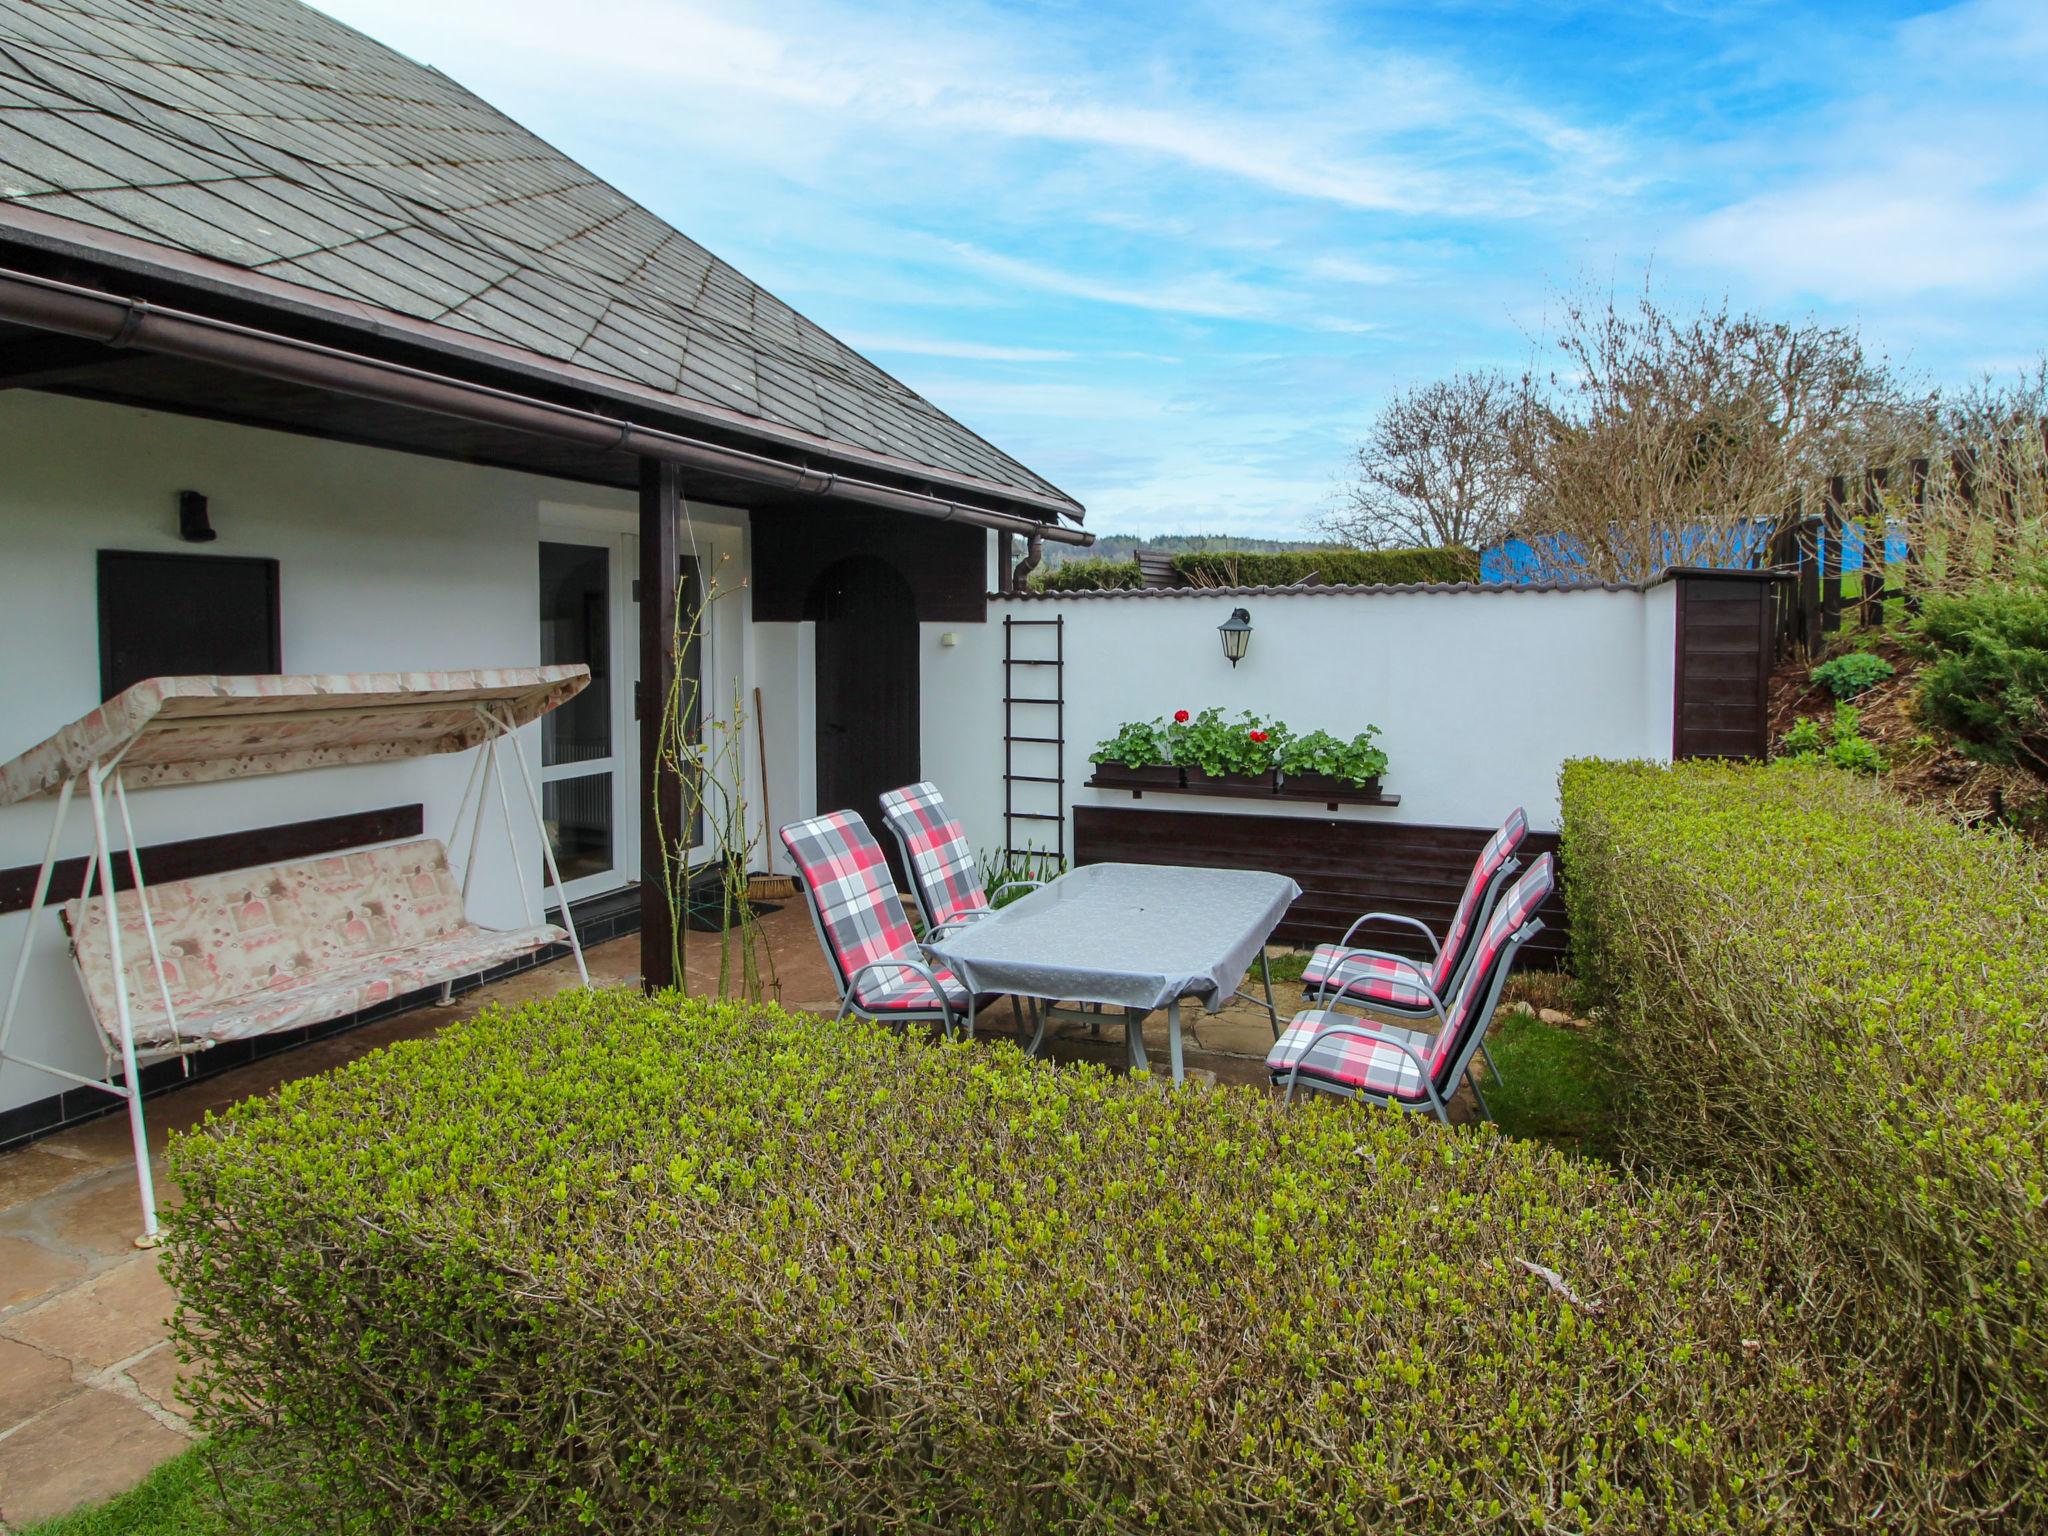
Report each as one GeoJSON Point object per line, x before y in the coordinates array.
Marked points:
{"type": "Point", "coordinates": [1171, 255]}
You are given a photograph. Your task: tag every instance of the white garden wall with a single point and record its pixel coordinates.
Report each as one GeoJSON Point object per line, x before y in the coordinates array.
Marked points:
{"type": "Point", "coordinates": [1479, 695]}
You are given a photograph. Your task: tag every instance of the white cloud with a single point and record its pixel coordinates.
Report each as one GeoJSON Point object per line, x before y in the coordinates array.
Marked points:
{"type": "Point", "coordinates": [1856, 239]}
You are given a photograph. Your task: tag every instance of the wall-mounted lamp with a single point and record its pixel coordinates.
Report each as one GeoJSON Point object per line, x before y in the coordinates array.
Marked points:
{"type": "Point", "coordinates": [193, 526]}
{"type": "Point", "coordinates": [1237, 634]}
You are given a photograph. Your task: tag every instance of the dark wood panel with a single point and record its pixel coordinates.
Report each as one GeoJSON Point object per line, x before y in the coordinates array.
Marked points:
{"type": "Point", "coordinates": [1721, 669]}
{"type": "Point", "coordinates": [867, 693]}
{"type": "Point", "coordinates": [1344, 868]}
{"type": "Point", "coordinates": [1736, 691]}
{"type": "Point", "coordinates": [661, 786]}
{"type": "Point", "coordinates": [196, 856]}
{"type": "Point", "coordinates": [946, 564]}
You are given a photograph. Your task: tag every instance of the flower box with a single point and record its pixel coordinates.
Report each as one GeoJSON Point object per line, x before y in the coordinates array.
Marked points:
{"type": "Point", "coordinates": [1232, 783]}
{"type": "Point", "coordinates": [1121, 776]}
{"type": "Point", "coordinates": [1333, 784]}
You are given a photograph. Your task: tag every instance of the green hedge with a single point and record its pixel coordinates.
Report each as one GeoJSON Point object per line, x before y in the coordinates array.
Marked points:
{"type": "Point", "coordinates": [1331, 567]}
{"type": "Point", "coordinates": [614, 1265]}
{"type": "Point", "coordinates": [1087, 576]}
{"type": "Point", "coordinates": [1221, 568]}
{"type": "Point", "coordinates": [1840, 1000]}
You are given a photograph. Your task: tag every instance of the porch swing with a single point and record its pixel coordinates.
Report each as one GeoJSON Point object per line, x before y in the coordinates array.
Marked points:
{"type": "Point", "coordinates": [172, 970]}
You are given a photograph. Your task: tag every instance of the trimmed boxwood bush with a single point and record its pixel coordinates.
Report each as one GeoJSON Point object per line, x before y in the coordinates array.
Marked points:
{"type": "Point", "coordinates": [610, 1264]}
{"type": "Point", "coordinates": [1818, 991]}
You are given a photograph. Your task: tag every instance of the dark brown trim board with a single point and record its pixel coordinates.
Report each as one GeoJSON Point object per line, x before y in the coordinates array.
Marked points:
{"type": "Point", "coordinates": [195, 856]}
{"type": "Point", "coordinates": [1344, 868]}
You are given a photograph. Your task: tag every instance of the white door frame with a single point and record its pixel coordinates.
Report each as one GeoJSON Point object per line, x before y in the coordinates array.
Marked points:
{"type": "Point", "coordinates": [624, 762]}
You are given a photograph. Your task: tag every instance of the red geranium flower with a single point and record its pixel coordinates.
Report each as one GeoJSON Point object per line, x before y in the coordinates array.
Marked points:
{"type": "Point", "coordinates": [1180, 717]}
{"type": "Point", "coordinates": [1258, 735]}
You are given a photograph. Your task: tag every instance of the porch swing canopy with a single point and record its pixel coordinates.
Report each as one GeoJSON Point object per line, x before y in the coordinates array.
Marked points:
{"type": "Point", "coordinates": [196, 730]}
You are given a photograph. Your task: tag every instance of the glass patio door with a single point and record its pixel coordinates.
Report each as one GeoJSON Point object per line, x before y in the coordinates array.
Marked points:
{"type": "Point", "coordinates": [588, 751]}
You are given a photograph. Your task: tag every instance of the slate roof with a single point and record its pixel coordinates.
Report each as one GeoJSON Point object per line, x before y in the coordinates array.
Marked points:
{"type": "Point", "coordinates": [267, 136]}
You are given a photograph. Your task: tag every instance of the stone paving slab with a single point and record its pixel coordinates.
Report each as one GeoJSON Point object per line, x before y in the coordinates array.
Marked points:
{"type": "Point", "coordinates": [82, 1450]}
{"type": "Point", "coordinates": [112, 1317]}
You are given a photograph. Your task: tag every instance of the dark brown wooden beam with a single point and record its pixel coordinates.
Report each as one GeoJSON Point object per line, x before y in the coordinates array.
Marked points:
{"type": "Point", "coordinates": [196, 856]}
{"type": "Point", "coordinates": [661, 789]}
{"type": "Point", "coordinates": [34, 360]}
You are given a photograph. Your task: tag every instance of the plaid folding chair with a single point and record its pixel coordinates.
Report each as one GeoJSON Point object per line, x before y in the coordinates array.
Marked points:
{"type": "Point", "coordinates": [1394, 984]}
{"type": "Point", "coordinates": [881, 970]}
{"type": "Point", "coordinates": [1416, 1068]}
{"type": "Point", "coordinates": [944, 872]}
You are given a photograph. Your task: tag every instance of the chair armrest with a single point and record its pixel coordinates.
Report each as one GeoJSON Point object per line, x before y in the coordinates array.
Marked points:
{"type": "Point", "coordinates": [1417, 924]}
{"type": "Point", "coordinates": [1015, 885]}
{"type": "Point", "coordinates": [1420, 983]}
{"type": "Point", "coordinates": [904, 963]}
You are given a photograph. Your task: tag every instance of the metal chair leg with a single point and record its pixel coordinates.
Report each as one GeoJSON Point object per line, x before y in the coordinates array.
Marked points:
{"type": "Point", "coordinates": [1473, 1078]}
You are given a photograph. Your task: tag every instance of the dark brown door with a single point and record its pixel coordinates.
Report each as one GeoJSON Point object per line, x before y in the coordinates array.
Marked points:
{"type": "Point", "coordinates": [868, 723]}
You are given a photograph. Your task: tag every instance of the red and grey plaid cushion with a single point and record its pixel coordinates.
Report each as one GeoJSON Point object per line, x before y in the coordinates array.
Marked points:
{"type": "Point", "coordinates": [1498, 850]}
{"type": "Point", "coordinates": [1516, 906]}
{"type": "Point", "coordinates": [907, 992]}
{"type": "Point", "coordinates": [941, 861]}
{"type": "Point", "coordinates": [1367, 1063]}
{"type": "Point", "coordinates": [1366, 978]}
{"type": "Point", "coordinates": [840, 862]}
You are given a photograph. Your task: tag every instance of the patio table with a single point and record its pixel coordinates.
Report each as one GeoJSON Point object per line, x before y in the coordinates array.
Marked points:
{"type": "Point", "coordinates": [1134, 936]}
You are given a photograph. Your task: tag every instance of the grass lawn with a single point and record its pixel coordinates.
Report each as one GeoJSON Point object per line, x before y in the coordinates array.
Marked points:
{"type": "Point", "coordinates": [1553, 1084]}
{"type": "Point", "coordinates": [175, 1500]}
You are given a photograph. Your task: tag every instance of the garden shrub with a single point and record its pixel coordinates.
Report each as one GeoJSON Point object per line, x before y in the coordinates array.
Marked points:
{"type": "Point", "coordinates": [619, 1265]}
{"type": "Point", "coordinates": [1842, 745]}
{"type": "Point", "coordinates": [1330, 567]}
{"type": "Point", "coordinates": [1087, 575]}
{"type": "Point", "coordinates": [1823, 993]}
{"type": "Point", "coordinates": [1852, 673]}
{"type": "Point", "coordinates": [1987, 682]}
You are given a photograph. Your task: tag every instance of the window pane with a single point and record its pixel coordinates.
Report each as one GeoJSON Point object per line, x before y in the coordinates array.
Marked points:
{"type": "Point", "coordinates": [578, 812]}
{"type": "Point", "coordinates": [575, 626]}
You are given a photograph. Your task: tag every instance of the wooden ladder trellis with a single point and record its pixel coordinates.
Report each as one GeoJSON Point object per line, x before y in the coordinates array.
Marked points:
{"type": "Point", "coordinates": [1028, 731]}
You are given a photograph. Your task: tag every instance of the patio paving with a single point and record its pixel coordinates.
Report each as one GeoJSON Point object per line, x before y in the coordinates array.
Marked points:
{"type": "Point", "coordinates": [88, 1380]}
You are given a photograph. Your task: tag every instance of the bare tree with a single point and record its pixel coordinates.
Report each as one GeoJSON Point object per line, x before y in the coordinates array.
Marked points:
{"type": "Point", "coordinates": [1663, 440]}
{"type": "Point", "coordinates": [1982, 515]}
{"type": "Point", "coordinates": [1437, 467]}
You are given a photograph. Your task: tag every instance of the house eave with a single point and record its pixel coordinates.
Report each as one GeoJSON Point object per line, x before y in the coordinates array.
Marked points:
{"type": "Point", "coordinates": [488, 363]}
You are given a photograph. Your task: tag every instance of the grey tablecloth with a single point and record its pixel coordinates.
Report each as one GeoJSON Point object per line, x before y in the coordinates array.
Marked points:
{"type": "Point", "coordinates": [1129, 935]}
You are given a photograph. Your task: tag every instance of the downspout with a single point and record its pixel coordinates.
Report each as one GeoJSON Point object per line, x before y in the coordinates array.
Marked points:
{"type": "Point", "coordinates": [1034, 551]}
{"type": "Point", "coordinates": [121, 322]}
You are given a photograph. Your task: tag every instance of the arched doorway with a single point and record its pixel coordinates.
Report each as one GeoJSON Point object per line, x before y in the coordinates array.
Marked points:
{"type": "Point", "coordinates": [868, 723]}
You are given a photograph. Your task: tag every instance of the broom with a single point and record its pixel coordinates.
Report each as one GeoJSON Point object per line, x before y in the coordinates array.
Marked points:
{"type": "Point", "coordinates": [765, 887]}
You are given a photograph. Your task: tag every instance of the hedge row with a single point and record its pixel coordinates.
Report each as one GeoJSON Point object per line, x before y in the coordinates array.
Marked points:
{"type": "Point", "coordinates": [1819, 991]}
{"type": "Point", "coordinates": [1330, 567]}
{"type": "Point", "coordinates": [1088, 576]}
{"type": "Point", "coordinates": [1225, 568]}
{"type": "Point", "coordinates": [614, 1265]}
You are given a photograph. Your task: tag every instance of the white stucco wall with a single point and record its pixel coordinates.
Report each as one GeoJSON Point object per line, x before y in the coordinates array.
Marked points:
{"type": "Point", "coordinates": [1479, 696]}
{"type": "Point", "coordinates": [388, 561]}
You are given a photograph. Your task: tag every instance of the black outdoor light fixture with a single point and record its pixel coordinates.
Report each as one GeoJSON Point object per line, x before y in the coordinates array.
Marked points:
{"type": "Point", "coordinates": [193, 525]}
{"type": "Point", "coordinates": [1237, 634]}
